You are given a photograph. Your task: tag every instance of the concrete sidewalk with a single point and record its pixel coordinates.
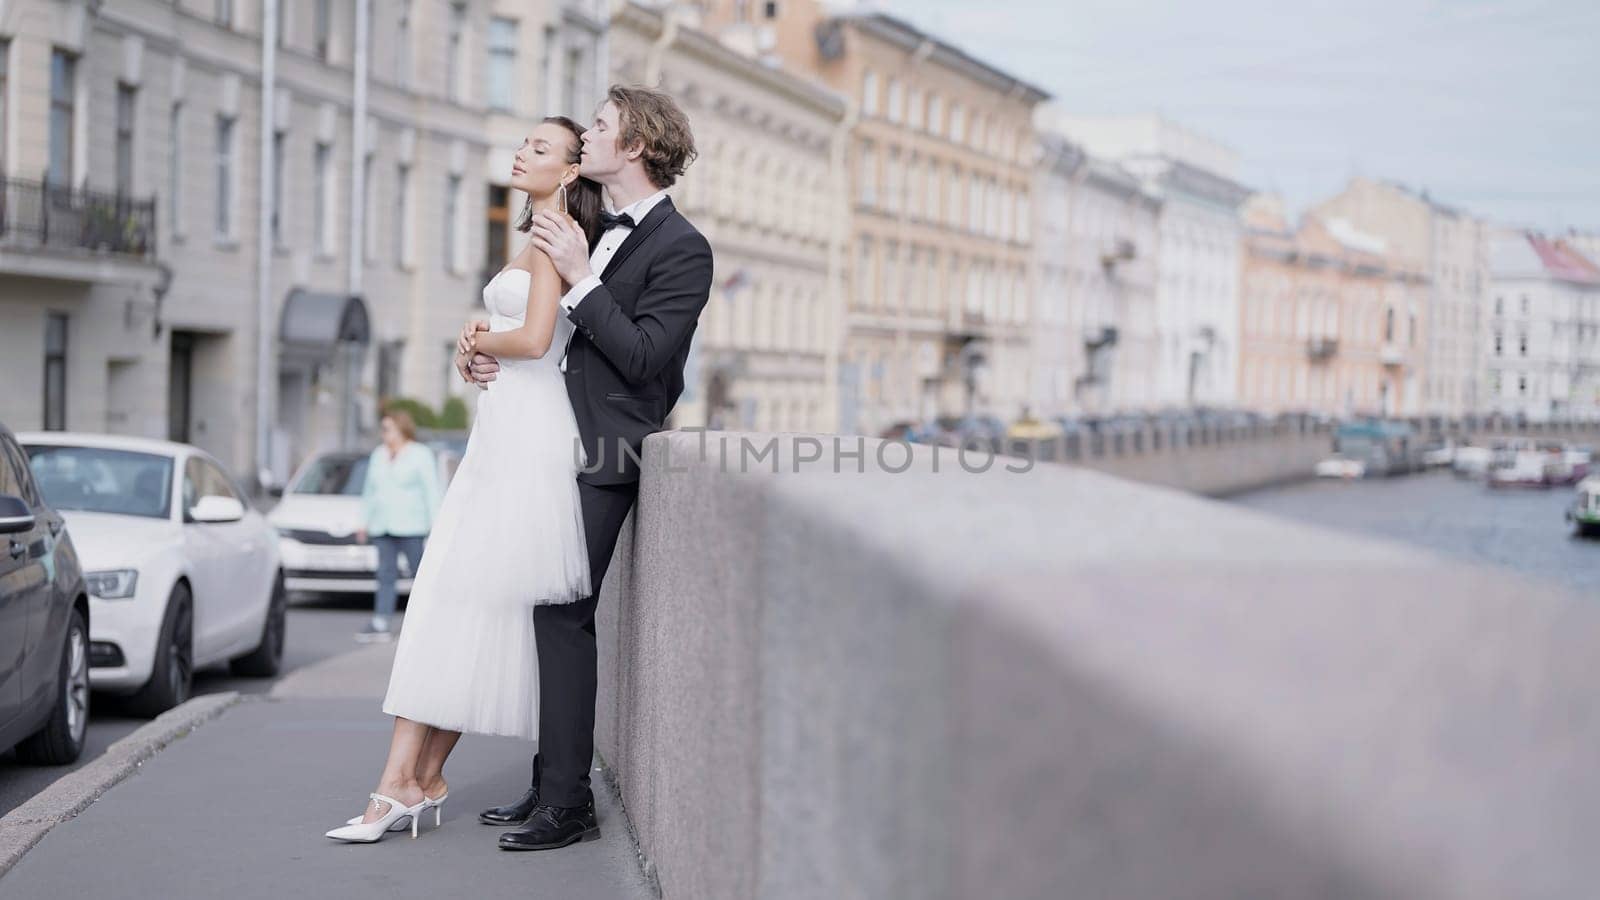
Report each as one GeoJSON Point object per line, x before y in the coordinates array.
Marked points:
{"type": "Point", "coordinates": [238, 809]}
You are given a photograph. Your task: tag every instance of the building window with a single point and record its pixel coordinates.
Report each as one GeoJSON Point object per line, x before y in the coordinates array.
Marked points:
{"type": "Point", "coordinates": [458, 28]}
{"type": "Point", "coordinates": [869, 93]}
{"type": "Point", "coordinates": [1522, 344]}
{"type": "Point", "coordinates": [402, 215]}
{"type": "Point", "coordinates": [572, 78]}
{"type": "Point", "coordinates": [55, 372]}
{"type": "Point", "coordinates": [502, 63]}
{"type": "Point", "coordinates": [322, 199]}
{"type": "Point", "coordinates": [1524, 304]}
{"type": "Point", "coordinates": [5, 85]}
{"type": "Point", "coordinates": [369, 210]}
{"type": "Point", "coordinates": [452, 222]}
{"type": "Point", "coordinates": [914, 109]}
{"type": "Point", "coordinates": [225, 13]}
{"type": "Point", "coordinates": [127, 106]}
{"type": "Point", "coordinates": [280, 147]}
{"type": "Point", "coordinates": [864, 273]}
{"type": "Point", "coordinates": [322, 28]}
{"type": "Point", "coordinates": [175, 168]}
{"type": "Point", "coordinates": [952, 199]}
{"type": "Point", "coordinates": [1497, 343]}
{"type": "Point", "coordinates": [897, 100]}
{"type": "Point", "coordinates": [893, 183]}
{"type": "Point", "coordinates": [932, 210]}
{"type": "Point", "coordinates": [770, 10]}
{"type": "Point", "coordinates": [958, 123]}
{"type": "Point", "coordinates": [935, 114]}
{"type": "Point", "coordinates": [1522, 385]}
{"type": "Point", "coordinates": [63, 99]}
{"type": "Point", "coordinates": [224, 221]}
{"type": "Point", "coordinates": [1499, 306]}
{"type": "Point", "coordinates": [869, 175]}
{"type": "Point", "coordinates": [402, 45]}
{"type": "Point", "coordinates": [1388, 325]}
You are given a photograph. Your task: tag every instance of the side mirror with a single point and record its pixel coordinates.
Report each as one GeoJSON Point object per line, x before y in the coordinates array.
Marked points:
{"type": "Point", "coordinates": [217, 509]}
{"type": "Point", "coordinates": [15, 515]}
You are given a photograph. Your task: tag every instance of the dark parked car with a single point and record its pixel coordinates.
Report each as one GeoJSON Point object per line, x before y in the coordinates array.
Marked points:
{"type": "Point", "coordinates": [44, 622]}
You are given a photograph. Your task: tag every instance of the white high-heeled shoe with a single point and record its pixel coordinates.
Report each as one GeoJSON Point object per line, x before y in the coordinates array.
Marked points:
{"type": "Point", "coordinates": [370, 832]}
{"type": "Point", "coordinates": [437, 805]}
{"type": "Point", "coordinates": [426, 802]}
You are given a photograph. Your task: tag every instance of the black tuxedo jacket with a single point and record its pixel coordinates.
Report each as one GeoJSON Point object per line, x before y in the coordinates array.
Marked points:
{"type": "Point", "coordinates": [625, 361]}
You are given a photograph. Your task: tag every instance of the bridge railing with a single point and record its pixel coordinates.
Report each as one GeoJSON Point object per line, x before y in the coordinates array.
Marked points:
{"type": "Point", "coordinates": [833, 667]}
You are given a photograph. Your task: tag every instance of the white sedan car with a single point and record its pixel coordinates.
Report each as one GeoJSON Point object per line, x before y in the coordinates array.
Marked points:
{"type": "Point", "coordinates": [182, 573]}
{"type": "Point", "coordinates": [318, 517]}
{"type": "Point", "coordinates": [317, 521]}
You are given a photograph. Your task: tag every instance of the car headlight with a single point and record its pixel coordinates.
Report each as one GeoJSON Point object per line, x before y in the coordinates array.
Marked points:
{"type": "Point", "coordinates": [112, 584]}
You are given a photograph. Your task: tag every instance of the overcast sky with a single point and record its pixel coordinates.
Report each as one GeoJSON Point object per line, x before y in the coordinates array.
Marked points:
{"type": "Point", "coordinates": [1489, 104]}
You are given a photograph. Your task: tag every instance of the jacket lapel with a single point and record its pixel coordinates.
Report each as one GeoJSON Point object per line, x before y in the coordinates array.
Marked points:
{"type": "Point", "coordinates": [638, 235]}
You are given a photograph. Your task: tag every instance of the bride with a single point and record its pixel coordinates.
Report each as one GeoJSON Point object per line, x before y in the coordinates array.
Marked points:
{"type": "Point", "coordinates": [509, 533]}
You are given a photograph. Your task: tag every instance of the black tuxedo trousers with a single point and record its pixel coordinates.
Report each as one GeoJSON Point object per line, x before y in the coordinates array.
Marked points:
{"type": "Point", "coordinates": [568, 668]}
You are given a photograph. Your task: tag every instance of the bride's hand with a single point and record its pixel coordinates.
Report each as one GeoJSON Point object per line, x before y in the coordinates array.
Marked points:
{"type": "Point", "coordinates": [469, 333]}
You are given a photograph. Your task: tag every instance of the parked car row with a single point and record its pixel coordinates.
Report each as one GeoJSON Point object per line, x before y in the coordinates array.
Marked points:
{"type": "Point", "coordinates": [990, 432]}
{"type": "Point", "coordinates": [132, 563]}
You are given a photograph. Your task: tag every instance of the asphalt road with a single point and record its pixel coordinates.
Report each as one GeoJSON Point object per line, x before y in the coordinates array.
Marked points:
{"type": "Point", "coordinates": [319, 627]}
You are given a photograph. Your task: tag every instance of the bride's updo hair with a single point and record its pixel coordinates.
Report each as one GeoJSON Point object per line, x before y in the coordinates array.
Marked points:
{"type": "Point", "coordinates": [583, 195]}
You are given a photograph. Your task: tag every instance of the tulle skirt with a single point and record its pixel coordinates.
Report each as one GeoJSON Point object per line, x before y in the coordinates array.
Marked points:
{"type": "Point", "coordinates": [509, 536]}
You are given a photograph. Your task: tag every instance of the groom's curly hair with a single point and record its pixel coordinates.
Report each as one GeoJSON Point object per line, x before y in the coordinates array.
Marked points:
{"type": "Point", "coordinates": [653, 120]}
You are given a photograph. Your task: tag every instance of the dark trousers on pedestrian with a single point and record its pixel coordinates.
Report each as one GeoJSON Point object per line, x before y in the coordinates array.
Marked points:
{"type": "Point", "coordinates": [565, 635]}
{"type": "Point", "coordinates": [390, 547]}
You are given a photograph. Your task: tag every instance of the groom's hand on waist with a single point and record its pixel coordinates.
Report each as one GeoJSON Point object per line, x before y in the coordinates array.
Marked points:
{"type": "Point", "coordinates": [483, 369]}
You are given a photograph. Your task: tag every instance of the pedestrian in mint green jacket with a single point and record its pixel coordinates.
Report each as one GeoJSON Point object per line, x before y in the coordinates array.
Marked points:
{"type": "Point", "coordinates": [399, 502]}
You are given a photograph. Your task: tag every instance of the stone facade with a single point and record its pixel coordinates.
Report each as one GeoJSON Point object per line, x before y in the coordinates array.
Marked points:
{"type": "Point", "coordinates": [941, 161]}
{"type": "Point", "coordinates": [768, 191]}
{"type": "Point", "coordinates": [1330, 323]}
{"type": "Point", "coordinates": [166, 345]}
{"type": "Point", "coordinates": [1451, 248]}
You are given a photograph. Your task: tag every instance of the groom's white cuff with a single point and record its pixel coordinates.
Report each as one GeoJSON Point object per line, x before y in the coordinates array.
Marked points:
{"type": "Point", "coordinates": [579, 291]}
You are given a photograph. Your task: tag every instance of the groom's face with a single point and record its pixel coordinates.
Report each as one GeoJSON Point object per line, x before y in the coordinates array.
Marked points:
{"type": "Point", "coordinates": [600, 153]}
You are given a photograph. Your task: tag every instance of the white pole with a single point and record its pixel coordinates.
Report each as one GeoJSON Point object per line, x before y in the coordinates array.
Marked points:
{"type": "Point", "coordinates": [358, 149]}
{"type": "Point", "coordinates": [358, 209]}
{"type": "Point", "coordinates": [264, 386]}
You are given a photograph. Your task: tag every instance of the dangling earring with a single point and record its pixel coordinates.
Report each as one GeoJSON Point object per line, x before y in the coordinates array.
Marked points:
{"type": "Point", "coordinates": [563, 198]}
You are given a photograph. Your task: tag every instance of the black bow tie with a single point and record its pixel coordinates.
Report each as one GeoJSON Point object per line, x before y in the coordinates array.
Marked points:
{"type": "Point", "coordinates": [609, 221]}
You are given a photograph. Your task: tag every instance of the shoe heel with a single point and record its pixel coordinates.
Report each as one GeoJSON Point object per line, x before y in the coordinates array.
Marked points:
{"type": "Point", "coordinates": [414, 819]}
{"type": "Point", "coordinates": [438, 813]}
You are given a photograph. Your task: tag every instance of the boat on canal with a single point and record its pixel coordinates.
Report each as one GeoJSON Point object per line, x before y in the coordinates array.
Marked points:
{"type": "Point", "coordinates": [1584, 513]}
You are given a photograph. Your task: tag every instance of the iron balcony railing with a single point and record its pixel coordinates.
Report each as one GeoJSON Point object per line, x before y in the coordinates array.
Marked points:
{"type": "Point", "coordinates": [40, 214]}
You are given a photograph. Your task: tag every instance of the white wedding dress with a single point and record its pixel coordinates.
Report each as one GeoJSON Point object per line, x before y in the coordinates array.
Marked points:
{"type": "Point", "coordinates": [509, 536]}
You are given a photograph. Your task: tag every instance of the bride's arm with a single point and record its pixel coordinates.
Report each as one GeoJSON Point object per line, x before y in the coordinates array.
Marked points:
{"type": "Point", "coordinates": [532, 340]}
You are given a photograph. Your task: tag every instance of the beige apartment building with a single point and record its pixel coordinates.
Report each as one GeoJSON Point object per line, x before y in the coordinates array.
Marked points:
{"type": "Point", "coordinates": [767, 191]}
{"type": "Point", "coordinates": [940, 162]}
{"type": "Point", "coordinates": [307, 206]}
{"type": "Point", "coordinates": [1451, 248]}
{"type": "Point", "coordinates": [1330, 323]}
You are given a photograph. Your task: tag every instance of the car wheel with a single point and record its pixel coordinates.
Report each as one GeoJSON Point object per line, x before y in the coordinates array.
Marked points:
{"type": "Point", "coordinates": [267, 658]}
{"type": "Point", "coordinates": [60, 741]}
{"type": "Point", "coordinates": [172, 675]}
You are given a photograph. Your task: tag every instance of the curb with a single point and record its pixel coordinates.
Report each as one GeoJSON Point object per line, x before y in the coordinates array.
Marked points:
{"type": "Point", "coordinates": [72, 793]}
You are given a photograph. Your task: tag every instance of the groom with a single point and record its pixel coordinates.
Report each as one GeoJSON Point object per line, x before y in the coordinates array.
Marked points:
{"type": "Point", "coordinates": [635, 300]}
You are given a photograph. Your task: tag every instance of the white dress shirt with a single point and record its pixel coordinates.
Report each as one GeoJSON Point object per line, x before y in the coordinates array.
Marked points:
{"type": "Point", "coordinates": [601, 257]}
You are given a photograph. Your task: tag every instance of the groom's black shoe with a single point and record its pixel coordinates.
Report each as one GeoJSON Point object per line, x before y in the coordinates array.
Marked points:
{"type": "Point", "coordinates": [515, 813]}
{"type": "Point", "coordinates": [551, 827]}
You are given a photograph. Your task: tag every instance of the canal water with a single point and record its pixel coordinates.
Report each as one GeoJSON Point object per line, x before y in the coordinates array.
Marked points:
{"type": "Point", "coordinates": [1517, 529]}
